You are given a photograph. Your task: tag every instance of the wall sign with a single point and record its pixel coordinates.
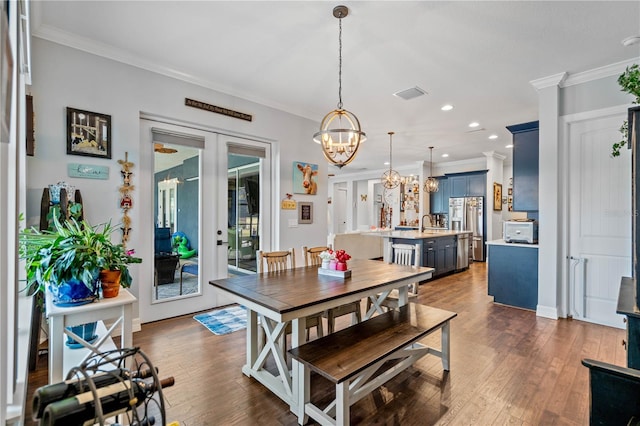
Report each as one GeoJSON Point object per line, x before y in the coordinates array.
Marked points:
{"type": "Point", "coordinates": [87, 171]}
{"type": "Point", "coordinates": [305, 212]}
{"type": "Point", "coordinates": [219, 110]}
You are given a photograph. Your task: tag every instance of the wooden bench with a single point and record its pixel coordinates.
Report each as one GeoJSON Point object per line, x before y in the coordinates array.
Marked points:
{"type": "Point", "coordinates": [351, 357]}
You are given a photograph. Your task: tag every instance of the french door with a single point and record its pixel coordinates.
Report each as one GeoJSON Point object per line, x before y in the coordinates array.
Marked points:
{"type": "Point", "coordinates": [187, 192]}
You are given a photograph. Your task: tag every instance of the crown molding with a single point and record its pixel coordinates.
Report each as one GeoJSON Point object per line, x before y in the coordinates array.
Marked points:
{"type": "Point", "coordinates": [493, 154]}
{"type": "Point", "coordinates": [550, 81]}
{"type": "Point", "coordinates": [597, 73]}
{"type": "Point", "coordinates": [73, 41]}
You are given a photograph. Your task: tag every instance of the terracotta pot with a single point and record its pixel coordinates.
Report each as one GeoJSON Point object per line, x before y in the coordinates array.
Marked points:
{"type": "Point", "coordinates": [110, 283]}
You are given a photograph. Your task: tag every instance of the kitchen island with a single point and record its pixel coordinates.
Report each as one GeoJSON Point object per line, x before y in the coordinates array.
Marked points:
{"type": "Point", "coordinates": [513, 273]}
{"type": "Point", "coordinates": [445, 250]}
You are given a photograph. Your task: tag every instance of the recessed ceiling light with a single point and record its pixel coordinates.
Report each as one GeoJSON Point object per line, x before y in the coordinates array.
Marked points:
{"type": "Point", "coordinates": [447, 107]}
{"type": "Point", "coordinates": [630, 41]}
{"type": "Point", "coordinates": [493, 137]}
{"type": "Point", "coordinates": [508, 146]}
{"type": "Point", "coordinates": [445, 155]}
{"type": "Point", "coordinates": [474, 124]}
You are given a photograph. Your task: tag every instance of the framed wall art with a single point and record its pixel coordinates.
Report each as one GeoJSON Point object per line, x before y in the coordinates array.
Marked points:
{"type": "Point", "coordinates": [304, 178]}
{"type": "Point", "coordinates": [88, 133]}
{"type": "Point", "coordinates": [497, 196]}
{"type": "Point", "coordinates": [305, 212]}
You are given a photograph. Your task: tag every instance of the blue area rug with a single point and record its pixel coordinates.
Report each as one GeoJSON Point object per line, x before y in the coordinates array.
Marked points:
{"type": "Point", "coordinates": [224, 321]}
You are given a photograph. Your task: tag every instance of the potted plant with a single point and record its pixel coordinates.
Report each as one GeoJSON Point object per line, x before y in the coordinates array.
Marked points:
{"type": "Point", "coordinates": [115, 272]}
{"type": "Point", "coordinates": [67, 260]}
{"type": "Point", "coordinates": [629, 82]}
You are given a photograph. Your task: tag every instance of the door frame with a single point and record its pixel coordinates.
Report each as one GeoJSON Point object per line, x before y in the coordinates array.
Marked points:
{"type": "Point", "coordinates": [566, 121]}
{"type": "Point", "coordinates": [213, 183]}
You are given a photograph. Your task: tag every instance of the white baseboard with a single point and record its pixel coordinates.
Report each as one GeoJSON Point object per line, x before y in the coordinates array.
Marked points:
{"type": "Point", "coordinates": [547, 311]}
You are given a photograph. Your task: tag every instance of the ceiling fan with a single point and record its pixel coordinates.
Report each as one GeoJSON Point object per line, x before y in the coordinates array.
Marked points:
{"type": "Point", "coordinates": [158, 147]}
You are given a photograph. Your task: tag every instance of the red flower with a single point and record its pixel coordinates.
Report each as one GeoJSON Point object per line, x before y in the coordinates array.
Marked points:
{"type": "Point", "coordinates": [342, 256]}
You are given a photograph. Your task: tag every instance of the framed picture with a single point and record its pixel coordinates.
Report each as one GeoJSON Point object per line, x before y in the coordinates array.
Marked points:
{"type": "Point", "coordinates": [305, 212]}
{"type": "Point", "coordinates": [510, 200]}
{"type": "Point", "coordinates": [497, 196]}
{"type": "Point", "coordinates": [510, 191]}
{"type": "Point", "coordinates": [304, 181]}
{"type": "Point", "coordinates": [88, 133]}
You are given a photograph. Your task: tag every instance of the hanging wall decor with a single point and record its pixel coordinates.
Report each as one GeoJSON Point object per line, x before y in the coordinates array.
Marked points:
{"type": "Point", "coordinates": [88, 133]}
{"type": "Point", "coordinates": [126, 202]}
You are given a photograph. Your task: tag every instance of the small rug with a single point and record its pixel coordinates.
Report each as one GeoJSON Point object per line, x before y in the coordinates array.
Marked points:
{"type": "Point", "coordinates": [224, 321]}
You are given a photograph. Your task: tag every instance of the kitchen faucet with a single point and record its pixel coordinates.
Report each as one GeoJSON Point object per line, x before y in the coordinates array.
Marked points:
{"type": "Point", "coordinates": [422, 228]}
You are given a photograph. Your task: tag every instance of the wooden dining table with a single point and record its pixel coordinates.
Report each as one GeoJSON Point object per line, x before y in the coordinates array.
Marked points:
{"type": "Point", "coordinates": [275, 299]}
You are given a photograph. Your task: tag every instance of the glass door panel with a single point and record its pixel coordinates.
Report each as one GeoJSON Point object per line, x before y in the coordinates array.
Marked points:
{"type": "Point", "coordinates": [177, 207]}
{"type": "Point", "coordinates": [243, 213]}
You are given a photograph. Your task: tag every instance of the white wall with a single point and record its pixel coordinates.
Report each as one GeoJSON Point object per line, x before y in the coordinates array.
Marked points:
{"type": "Point", "coordinates": [65, 77]}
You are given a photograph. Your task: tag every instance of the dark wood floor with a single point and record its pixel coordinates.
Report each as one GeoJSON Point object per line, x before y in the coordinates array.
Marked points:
{"type": "Point", "coordinates": [507, 367]}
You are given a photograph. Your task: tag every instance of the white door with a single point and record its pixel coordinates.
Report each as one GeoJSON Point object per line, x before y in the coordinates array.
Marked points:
{"type": "Point", "coordinates": [207, 180]}
{"type": "Point", "coordinates": [599, 218]}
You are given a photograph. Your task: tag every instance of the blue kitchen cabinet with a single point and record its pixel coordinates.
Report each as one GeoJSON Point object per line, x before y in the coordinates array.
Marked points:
{"type": "Point", "coordinates": [472, 184]}
{"type": "Point", "coordinates": [513, 274]}
{"type": "Point", "coordinates": [525, 166]}
{"type": "Point", "coordinates": [439, 201]}
{"type": "Point", "coordinates": [477, 185]}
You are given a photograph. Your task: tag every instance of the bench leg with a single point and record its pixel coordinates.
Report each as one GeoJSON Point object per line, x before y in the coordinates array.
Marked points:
{"type": "Point", "coordinates": [342, 403]}
{"type": "Point", "coordinates": [446, 346]}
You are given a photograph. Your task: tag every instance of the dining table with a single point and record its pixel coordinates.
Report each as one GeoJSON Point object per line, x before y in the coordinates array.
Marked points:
{"type": "Point", "coordinates": [276, 299]}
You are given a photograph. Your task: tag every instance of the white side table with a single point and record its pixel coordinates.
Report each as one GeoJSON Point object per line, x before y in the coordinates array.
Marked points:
{"type": "Point", "coordinates": [61, 358]}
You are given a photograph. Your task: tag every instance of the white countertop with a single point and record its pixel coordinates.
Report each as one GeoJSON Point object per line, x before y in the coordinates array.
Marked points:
{"type": "Point", "coordinates": [502, 242]}
{"type": "Point", "coordinates": [417, 235]}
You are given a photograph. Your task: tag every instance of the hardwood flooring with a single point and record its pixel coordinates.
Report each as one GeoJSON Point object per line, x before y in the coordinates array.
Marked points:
{"type": "Point", "coordinates": [507, 367]}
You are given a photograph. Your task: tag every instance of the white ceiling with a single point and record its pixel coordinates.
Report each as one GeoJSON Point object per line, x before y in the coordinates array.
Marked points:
{"type": "Point", "coordinates": [479, 56]}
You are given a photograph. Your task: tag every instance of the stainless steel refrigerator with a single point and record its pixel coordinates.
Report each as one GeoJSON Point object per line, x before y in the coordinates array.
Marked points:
{"type": "Point", "coordinates": [467, 214]}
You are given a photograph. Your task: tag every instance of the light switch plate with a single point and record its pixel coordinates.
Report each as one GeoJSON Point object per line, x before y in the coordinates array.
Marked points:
{"type": "Point", "coordinates": [293, 223]}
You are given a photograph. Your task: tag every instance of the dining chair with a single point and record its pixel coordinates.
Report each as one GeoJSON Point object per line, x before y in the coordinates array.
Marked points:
{"type": "Point", "coordinates": [312, 258]}
{"type": "Point", "coordinates": [278, 261]}
{"type": "Point", "coordinates": [402, 254]}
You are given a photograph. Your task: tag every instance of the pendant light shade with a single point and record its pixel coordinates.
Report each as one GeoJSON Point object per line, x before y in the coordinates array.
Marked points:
{"type": "Point", "coordinates": [340, 133]}
{"type": "Point", "coordinates": [430, 183]}
{"type": "Point", "coordinates": [390, 178]}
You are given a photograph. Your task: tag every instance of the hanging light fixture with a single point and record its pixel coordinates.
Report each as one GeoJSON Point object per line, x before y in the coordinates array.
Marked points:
{"type": "Point", "coordinates": [430, 183]}
{"type": "Point", "coordinates": [340, 134]}
{"type": "Point", "coordinates": [390, 178]}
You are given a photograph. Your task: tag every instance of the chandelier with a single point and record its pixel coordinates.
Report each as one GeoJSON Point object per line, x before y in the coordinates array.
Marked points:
{"type": "Point", "coordinates": [390, 178]}
{"type": "Point", "coordinates": [430, 183]}
{"type": "Point", "coordinates": [340, 134]}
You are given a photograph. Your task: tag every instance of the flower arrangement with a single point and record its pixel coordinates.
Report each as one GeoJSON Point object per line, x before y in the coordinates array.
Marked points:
{"type": "Point", "coordinates": [342, 256]}
{"type": "Point", "coordinates": [327, 255]}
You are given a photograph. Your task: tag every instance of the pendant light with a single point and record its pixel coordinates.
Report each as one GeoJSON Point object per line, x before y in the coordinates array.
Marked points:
{"type": "Point", "coordinates": [390, 178]}
{"type": "Point", "coordinates": [340, 134]}
{"type": "Point", "coordinates": [430, 183]}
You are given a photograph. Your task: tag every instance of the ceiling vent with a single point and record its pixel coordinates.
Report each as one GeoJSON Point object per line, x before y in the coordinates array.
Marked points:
{"type": "Point", "coordinates": [410, 93]}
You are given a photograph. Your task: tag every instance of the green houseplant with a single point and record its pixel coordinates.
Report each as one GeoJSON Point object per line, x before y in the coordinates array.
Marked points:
{"type": "Point", "coordinates": [629, 82]}
{"type": "Point", "coordinates": [67, 260]}
{"type": "Point", "coordinates": [115, 272]}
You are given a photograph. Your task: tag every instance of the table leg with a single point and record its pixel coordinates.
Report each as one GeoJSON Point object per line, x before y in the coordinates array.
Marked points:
{"type": "Point", "coordinates": [446, 346]}
{"type": "Point", "coordinates": [301, 379]}
{"type": "Point", "coordinates": [252, 341]}
{"type": "Point", "coordinates": [56, 348]}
